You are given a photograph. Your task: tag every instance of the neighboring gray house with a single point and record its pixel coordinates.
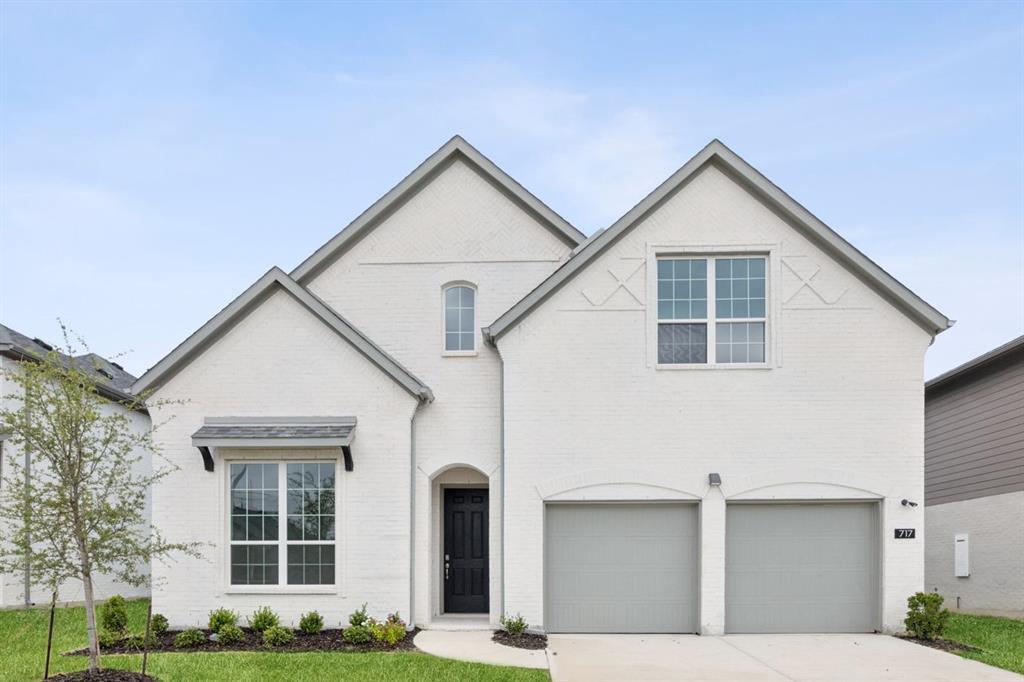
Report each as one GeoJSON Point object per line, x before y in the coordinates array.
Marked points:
{"type": "Point", "coordinates": [15, 348]}
{"type": "Point", "coordinates": [974, 482]}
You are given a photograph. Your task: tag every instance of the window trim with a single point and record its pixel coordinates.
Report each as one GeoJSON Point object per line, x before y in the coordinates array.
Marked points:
{"type": "Point", "coordinates": [444, 327]}
{"type": "Point", "coordinates": [710, 253]}
{"type": "Point", "coordinates": [282, 587]}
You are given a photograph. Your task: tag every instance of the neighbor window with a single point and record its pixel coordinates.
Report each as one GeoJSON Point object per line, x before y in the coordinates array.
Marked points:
{"type": "Point", "coordinates": [282, 538]}
{"type": "Point", "coordinates": [730, 330]}
{"type": "Point", "coordinates": [459, 319]}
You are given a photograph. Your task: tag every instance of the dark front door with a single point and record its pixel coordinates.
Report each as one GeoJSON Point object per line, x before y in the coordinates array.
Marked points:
{"type": "Point", "coordinates": [465, 551]}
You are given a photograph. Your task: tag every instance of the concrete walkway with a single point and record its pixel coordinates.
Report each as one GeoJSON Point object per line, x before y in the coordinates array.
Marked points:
{"type": "Point", "coordinates": [477, 646]}
{"type": "Point", "coordinates": [796, 658]}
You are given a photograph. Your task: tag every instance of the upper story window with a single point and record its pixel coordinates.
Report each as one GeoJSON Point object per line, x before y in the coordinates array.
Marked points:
{"type": "Point", "coordinates": [732, 330]}
{"type": "Point", "coordinates": [459, 319]}
{"type": "Point", "coordinates": [282, 539]}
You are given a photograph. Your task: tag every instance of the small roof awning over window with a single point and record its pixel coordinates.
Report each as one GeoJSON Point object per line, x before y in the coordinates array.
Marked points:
{"type": "Point", "coordinates": [275, 432]}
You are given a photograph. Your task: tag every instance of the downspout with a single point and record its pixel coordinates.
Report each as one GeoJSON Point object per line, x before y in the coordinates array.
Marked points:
{"type": "Point", "coordinates": [412, 509]}
{"type": "Point", "coordinates": [492, 342]}
{"type": "Point", "coordinates": [28, 481]}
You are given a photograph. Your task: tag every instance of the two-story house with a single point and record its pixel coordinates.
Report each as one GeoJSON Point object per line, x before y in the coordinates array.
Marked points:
{"type": "Point", "coordinates": [704, 418]}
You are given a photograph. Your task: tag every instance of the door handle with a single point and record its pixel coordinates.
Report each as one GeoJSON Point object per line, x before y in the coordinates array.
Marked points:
{"type": "Point", "coordinates": [446, 570]}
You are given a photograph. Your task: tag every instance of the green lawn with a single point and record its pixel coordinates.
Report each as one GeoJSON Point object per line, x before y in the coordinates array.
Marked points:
{"type": "Point", "coordinates": [23, 648]}
{"type": "Point", "coordinates": [1001, 640]}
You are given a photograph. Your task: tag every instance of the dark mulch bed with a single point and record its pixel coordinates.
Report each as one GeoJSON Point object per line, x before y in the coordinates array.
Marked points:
{"type": "Point", "coordinates": [523, 641]}
{"type": "Point", "coordinates": [943, 644]}
{"type": "Point", "coordinates": [325, 640]}
{"type": "Point", "coordinates": [103, 675]}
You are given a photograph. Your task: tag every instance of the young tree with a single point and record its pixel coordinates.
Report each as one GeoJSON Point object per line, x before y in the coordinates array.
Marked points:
{"type": "Point", "coordinates": [81, 509]}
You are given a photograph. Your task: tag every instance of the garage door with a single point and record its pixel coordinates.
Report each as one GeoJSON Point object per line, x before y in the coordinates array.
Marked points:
{"type": "Point", "coordinates": [801, 568]}
{"type": "Point", "coordinates": [621, 568]}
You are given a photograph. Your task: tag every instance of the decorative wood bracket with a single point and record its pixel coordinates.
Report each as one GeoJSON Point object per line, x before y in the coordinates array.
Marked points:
{"type": "Point", "coordinates": [346, 452]}
{"type": "Point", "coordinates": [207, 457]}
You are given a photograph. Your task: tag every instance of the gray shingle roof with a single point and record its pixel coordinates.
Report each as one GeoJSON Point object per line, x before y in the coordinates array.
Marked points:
{"type": "Point", "coordinates": [113, 379]}
{"type": "Point", "coordinates": [339, 428]}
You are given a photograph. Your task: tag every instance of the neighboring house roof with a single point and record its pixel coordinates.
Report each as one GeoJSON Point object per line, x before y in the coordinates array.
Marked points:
{"type": "Point", "coordinates": [723, 158]}
{"type": "Point", "coordinates": [114, 381]}
{"type": "Point", "coordinates": [250, 299]}
{"type": "Point", "coordinates": [978, 364]}
{"type": "Point", "coordinates": [455, 149]}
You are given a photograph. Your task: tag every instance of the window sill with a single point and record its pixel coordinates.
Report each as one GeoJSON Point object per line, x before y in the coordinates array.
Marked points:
{"type": "Point", "coordinates": [274, 589]}
{"type": "Point", "coordinates": [706, 366]}
{"type": "Point", "coordinates": [459, 354]}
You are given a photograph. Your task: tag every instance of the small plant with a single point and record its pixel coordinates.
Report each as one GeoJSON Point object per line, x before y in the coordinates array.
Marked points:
{"type": "Point", "coordinates": [926, 619]}
{"type": "Point", "coordinates": [263, 618]}
{"type": "Point", "coordinates": [311, 623]}
{"type": "Point", "coordinates": [359, 617]}
{"type": "Point", "coordinates": [114, 615]}
{"type": "Point", "coordinates": [158, 624]}
{"type": "Point", "coordinates": [514, 626]}
{"type": "Point", "coordinates": [138, 642]}
{"type": "Point", "coordinates": [108, 639]}
{"type": "Point", "coordinates": [230, 634]}
{"type": "Point", "coordinates": [276, 635]}
{"type": "Point", "coordinates": [390, 632]}
{"type": "Point", "coordinates": [221, 617]}
{"type": "Point", "coordinates": [189, 638]}
{"type": "Point", "coordinates": [357, 634]}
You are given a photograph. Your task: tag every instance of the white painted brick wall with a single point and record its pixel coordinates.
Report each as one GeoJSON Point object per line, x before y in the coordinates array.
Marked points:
{"type": "Point", "coordinates": [839, 414]}
{"type": "Point", "coordinates": [282, 361]}
{"type": "Point", "coordinates": [459, 228]}
{"type": "Point", "coordinates": [995, 526]}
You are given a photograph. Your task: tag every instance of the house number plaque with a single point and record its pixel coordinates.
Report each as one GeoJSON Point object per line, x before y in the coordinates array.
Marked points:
{"type": "Point", "coordinates": [905, 533]}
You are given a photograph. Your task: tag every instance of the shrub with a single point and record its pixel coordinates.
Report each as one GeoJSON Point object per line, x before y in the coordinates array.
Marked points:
{"type": "Point", "coordinates": [357, 634]}
{"type": "Point", "coordinates": [514, 626]}
{"type": "Point", "coordinates": [311, 623]}
{"type": "Point", "coordinates": [263, 618]}
{"type": "Point", "coordinates": [359, 617]}
{"type": "Point", "coordinates": [158, 624]}
{"type": "Point", "coordinates": [389, 632]}
{"type": "Point", "coordinates": [926, 618]}
{"type": "Point", "coordinates": [221, 617]}
{"type": "Point", "coordinates": [189, 638]}
{"type": "Point", "coordinates": [114, 615]}
{"type": "Point", "coordinates": [107, 639]}
{"type": "Point", "coordinates": [139, 641]}
{"type": "Point", "coordinates": [276, 635]}
{"type": "Point", "coordinates": [230, 634]}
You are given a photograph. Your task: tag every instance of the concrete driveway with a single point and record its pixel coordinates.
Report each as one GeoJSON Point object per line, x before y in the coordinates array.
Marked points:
{"type": "Point", "coordinates": [806, 658]}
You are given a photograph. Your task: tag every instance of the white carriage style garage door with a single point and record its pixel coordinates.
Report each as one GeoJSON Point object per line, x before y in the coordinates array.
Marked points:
{"type": "Point", "coordinates": [621, 567]}
{"type": "Point", "coordinates": [802, 567]}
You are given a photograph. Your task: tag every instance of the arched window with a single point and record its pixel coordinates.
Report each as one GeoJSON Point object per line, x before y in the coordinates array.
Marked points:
{"type": "Point", "coordinates": [459, 319]}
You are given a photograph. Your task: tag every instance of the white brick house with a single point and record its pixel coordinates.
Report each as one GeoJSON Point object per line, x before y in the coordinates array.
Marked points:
{"type": "Point", "coordinates": [702, 419]}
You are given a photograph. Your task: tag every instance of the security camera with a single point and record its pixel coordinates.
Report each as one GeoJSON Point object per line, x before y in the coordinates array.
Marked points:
{"type": "Point", "coordinates": [907, 503]}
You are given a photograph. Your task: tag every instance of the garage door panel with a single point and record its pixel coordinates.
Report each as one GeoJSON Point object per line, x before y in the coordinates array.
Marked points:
{"type": "Point", "coordinates": [621, 568]}
{"type": "Point", "coordinates": [802, 567]}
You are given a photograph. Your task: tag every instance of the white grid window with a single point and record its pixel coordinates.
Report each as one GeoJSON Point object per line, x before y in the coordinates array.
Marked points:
{"type": "Point", "coordinates": [732, 331]}
{"type": "Point", "coordinates": [267, 527]}
{"type": "Point", "coordinates": [459, 319]}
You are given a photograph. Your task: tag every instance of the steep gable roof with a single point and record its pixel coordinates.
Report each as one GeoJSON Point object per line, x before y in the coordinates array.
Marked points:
{"type": "Point", "coordinates": [723, 158]}
{"type": "Point", "coordinates": [252, 297]}
{"type": "Point", "coordinates": [455, 149]}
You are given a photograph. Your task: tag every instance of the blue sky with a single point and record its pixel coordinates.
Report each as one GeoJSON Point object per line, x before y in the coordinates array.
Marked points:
{"type": "Point", "coordinates": [155, 159]}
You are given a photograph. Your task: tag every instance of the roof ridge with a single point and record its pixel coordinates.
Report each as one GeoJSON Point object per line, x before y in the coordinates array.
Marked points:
{"type": "Point", "coordinates": [411, 183]}
{"type": "Point", "coordinates": [761, 188]}
{"type": "Point", "coordinates": [248, 300]}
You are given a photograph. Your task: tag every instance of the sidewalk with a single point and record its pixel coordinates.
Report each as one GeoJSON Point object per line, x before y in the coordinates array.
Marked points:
{"type": "Point", "coordinates": [477, 646]}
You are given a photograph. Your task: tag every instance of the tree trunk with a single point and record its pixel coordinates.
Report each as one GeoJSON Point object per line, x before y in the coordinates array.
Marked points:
{"type": "Point", "coordinates": [90, 623]}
